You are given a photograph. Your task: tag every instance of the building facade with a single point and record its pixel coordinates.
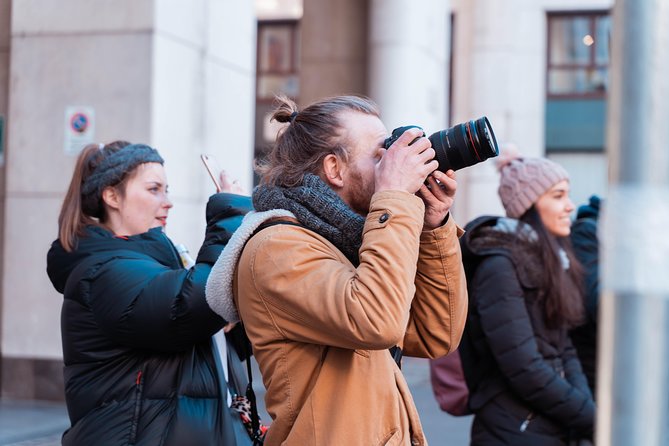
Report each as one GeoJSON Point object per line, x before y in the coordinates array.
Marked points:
{"type": "Point", "coordinates": [199, 76]}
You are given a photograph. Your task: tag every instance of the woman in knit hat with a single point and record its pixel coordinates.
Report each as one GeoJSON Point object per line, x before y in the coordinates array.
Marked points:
{"type": "Point", "coordinates": [526, 383]}
{"type": "Point", "coordinates": [136, 330]}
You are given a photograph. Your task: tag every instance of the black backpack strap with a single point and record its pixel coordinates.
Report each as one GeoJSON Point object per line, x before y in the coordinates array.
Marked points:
{"type": "Point", "coordinates": [270, 223]}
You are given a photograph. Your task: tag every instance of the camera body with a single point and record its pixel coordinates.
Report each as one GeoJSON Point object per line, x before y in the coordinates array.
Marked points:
{"type": "Point", "coordinates": [460, 146]}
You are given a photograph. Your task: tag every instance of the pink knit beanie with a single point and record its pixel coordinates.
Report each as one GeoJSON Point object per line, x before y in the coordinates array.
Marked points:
{"type": "Point", "coordinates": [524, 180]}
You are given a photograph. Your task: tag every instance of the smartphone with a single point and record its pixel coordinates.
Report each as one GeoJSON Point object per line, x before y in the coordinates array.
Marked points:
{"type": "Point", "coordinates": [212, 168]}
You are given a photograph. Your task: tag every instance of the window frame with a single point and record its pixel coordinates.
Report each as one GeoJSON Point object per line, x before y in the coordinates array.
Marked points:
{"type": "Point", "coordinates": [293, 49]}
{"type": "Point", "coordinates": [592, 16]}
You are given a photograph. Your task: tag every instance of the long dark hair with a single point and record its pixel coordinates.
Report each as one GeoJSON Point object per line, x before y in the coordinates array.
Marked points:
{"type": "Point", "coordinates": [311, 135]}
{"type": "Point", "coordinates": [79, 210]}
{"type": "Point", "coordinates": [561, 290]}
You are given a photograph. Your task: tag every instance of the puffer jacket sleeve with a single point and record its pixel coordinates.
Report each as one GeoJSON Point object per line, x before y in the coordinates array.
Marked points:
{"type": "Point", "coordinates": [572, 368]}
{"type": "Point", "coordinates": [506, 324]}
{"type": "Point", "coordinates": [439, 308]}
{"type": "Point", "coordinates": [141, 303]}
{"type": "Point", "coordinates": [224, 215]}
{"type": "Point", "coordinates": [586, 248]}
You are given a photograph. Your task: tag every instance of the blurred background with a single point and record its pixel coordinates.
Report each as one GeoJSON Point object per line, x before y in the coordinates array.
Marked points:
{"type": "Point", "coordinates": [199, 76]}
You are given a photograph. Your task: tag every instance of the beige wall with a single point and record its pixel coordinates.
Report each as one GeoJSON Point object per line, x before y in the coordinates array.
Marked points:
{"type": "Point", "coordinates": [61, 57]}
{"type": "Point", "coordinates": [177, 75]}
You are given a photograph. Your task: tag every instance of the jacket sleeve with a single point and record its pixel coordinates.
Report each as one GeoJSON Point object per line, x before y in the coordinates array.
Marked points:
{"type": "Point", "coordinates": [439, 308]}
{"type": "Point", "coordinates": [224, 215]}
{"type": "Point", "coordinates": [141, 303]}
{"type": "Point", "coordinates": [572, 368]}
{"type": "Point", "coordinates": [506, 324]}
{"type": "Point", "coordinates": [586, 249]}
{"type": "Point", "coordinates": [314, 295]}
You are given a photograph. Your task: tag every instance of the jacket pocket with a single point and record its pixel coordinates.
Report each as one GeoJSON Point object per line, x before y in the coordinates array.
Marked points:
{"type": "Point", "coordinates": [391, 439]}
{"type": "Point", "coordinates": [139, 390]}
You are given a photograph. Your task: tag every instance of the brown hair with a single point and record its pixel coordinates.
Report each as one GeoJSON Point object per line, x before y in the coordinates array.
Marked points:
{"type": "Point", "coordinates": [78, 210]}
{"type": "Point", "coordinates": [562, 290]}
{"type": "Point", "coordinates": [311, 135]}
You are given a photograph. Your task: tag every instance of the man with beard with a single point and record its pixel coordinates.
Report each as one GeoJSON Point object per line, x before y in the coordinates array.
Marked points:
{"type": "Point", "coordinates": [351, 252]}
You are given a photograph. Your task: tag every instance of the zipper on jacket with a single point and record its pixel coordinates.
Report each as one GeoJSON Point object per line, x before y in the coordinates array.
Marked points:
{"type": "Point", "coordinates": [526, 422]}
{"type": "Point", "coordinates": [139, 388]}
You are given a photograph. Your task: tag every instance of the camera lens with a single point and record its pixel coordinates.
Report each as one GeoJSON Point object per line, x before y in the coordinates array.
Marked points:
{"type": "Point", "coordinates": [465, 144]}
{"type": "Point", "coordinates": [462, 145]}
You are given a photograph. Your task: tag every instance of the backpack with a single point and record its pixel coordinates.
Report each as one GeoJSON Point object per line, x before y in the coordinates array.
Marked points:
{"type": "Point", "coordinates": [448, 384]}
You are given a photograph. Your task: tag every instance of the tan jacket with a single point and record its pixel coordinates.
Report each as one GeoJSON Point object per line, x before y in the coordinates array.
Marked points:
{"type": "Point", "coordinates": [321, 328]}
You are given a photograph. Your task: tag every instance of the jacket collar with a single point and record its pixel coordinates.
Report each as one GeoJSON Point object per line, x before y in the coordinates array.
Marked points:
{"type": "Point", "coordinates": [219, 291]}
{"type": "Point", "coordinates": [488, 235]}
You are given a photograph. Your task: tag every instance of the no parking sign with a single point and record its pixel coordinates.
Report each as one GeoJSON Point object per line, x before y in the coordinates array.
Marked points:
{"type": "Point", "coordinates": [79, 128]}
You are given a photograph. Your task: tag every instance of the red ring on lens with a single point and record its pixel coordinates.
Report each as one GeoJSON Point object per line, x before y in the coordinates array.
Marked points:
{"type": "Point", "coordinates": [469, 133]}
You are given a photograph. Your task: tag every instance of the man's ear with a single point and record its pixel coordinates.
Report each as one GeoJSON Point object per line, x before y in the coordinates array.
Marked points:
{"type": "Point", "coordinates": [333, 171]}
{"type": "Point", "coordinates": [111, 197]}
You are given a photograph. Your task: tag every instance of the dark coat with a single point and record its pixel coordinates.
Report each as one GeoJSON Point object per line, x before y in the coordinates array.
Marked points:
{"type": "Point", "coordinates": [586, 248]}
{"type": "Point", "coordinates": [526, 384]}
{"type": "Point", "coordinates": [136, 333]}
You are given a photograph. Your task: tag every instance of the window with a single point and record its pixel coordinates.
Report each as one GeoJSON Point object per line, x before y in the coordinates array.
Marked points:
{"type": "Point", "coordinates": [578, 54]}
{"type": "Point", "coordinates": [278, 58]}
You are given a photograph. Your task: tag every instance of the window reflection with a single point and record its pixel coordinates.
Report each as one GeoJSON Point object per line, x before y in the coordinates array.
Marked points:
{"type": "Point", "coordinates": [566, 40]}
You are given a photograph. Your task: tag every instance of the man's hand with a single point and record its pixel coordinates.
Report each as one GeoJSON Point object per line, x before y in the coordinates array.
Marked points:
{"type": "Point", "coordinates": [403, 166]}
{"type": "Point", "coordinates": [438, 195]}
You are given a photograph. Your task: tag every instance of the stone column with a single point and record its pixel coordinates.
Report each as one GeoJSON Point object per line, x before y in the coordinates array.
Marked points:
{"type": "Point", "coordinates": [202, 101]}
{"type": "Point", "coordinates": [408, 68]}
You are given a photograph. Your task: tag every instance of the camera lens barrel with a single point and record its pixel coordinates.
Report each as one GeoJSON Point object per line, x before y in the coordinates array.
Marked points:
{"type": "Point", "coordinates": [465, 144]}
{"type": "Point", "coordinates": [460, 146]}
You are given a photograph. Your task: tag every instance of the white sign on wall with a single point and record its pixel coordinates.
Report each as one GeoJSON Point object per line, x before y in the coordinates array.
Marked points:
{"type": "Point", "coordinates": [79, 128]}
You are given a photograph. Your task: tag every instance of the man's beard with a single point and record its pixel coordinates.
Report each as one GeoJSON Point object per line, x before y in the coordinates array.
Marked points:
{"type": "Point", "coordinates": [360, 194]}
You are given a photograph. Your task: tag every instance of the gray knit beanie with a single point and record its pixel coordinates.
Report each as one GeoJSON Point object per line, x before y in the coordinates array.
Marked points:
{"type": "Point", "coordinates": [524, 180]}
{"type": "Point", "coordinates": [116, 165]}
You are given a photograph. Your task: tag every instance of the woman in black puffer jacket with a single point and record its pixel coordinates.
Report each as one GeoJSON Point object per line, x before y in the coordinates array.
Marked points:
{"type": "Point", "coordinates": [136, 329]}
{"type": "Point", "coordinates": [526, 384]}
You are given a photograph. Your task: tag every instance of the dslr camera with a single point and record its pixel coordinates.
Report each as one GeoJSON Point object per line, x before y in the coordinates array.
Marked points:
{"type": "Point", "coordinates": [462, 145]}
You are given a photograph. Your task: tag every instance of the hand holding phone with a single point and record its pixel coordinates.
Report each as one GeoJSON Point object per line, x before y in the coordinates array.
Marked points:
{"type": "Point", "coordinates": [220, 178]}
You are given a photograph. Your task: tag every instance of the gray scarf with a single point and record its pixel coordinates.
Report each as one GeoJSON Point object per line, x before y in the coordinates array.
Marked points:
{"type": "Point", "coordinates": [318, 208]}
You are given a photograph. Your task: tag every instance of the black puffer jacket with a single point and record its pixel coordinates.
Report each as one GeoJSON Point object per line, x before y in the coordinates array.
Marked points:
{"type": "Point", "coordinates": [526, 384]}
{"type": "Point", "coordinates": [136, 333]}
